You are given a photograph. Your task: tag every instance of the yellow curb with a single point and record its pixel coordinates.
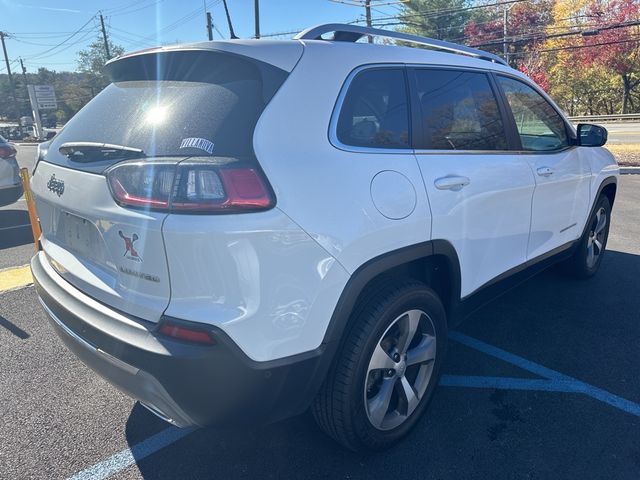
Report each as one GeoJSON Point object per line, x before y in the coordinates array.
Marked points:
{"type": "Point", "coordinates": [15, 277]}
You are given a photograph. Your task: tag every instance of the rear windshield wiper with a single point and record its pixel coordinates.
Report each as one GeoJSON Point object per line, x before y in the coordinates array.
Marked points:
{"type": "Point", "coordinates": [94, 152]}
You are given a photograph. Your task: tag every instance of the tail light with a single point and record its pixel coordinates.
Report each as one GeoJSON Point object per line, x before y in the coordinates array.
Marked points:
{"type": "Point", "coordinates": [193, 186]}
{"type": "Point", "coordinates": [7, 151]}
{"type": "Point", "coordinates": [186, 333]}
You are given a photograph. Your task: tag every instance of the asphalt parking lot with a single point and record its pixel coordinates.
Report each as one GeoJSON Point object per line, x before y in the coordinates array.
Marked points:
{"type": "Point", "coordinates": [543, 383]}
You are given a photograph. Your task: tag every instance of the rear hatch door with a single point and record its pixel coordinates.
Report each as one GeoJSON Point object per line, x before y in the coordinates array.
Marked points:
{"type": "Point", "coordinates": [161, 105]}
{"type": "Point", "coordinates": [114, 255]}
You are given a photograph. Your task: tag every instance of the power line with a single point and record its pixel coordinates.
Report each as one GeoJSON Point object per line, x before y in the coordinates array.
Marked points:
{"type": "Point", "coordinates": [544, 36]}
{"type": "Point", "coordinates": [636, 38]}
{"type": "Point", "coordinates": [45, 52]}
{"type": "Point", "coordinates": [441, 12]}
{"type": "Point", "coordinates": [80, 40]}
{"type": "Point", "coordinates": [134, 10]}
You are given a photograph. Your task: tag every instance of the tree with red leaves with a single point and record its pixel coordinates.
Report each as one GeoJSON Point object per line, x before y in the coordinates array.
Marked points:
{"type": "Point", "coordinates": [523, 20]}
{"type": "Point", "coordinates": [615, 43]}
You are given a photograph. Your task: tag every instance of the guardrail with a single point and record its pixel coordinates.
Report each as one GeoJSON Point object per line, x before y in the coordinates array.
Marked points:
{"type": "Point", "coordinates": [622, 117]}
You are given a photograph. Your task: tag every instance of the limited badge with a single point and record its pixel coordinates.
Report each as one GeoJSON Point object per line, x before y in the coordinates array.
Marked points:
{"type": "Point", "coordinates": [199, 143]}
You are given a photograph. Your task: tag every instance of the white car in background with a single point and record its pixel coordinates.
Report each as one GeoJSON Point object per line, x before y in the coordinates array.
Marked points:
{"type": "Point", "coordinates": [10, 183]}
{"type": "Point", "coordinates": [239, 231]}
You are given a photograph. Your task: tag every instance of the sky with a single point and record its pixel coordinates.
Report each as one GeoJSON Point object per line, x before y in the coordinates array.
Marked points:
{"type": "Point", "coordinates": [40, 31]}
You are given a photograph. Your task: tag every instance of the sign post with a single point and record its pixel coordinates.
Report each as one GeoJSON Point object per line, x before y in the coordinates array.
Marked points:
{"type": "Point", "coordinates": [41, 97]}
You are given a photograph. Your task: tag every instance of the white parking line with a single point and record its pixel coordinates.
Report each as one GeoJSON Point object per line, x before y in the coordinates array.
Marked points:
{"type": "Point", "coordinates": [129, 456]}
{"type": "Point", "coordinates": [553, 381]}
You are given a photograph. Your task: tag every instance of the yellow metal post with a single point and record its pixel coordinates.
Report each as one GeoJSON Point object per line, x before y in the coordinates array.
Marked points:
{"type": "Point", "coordinates": [31, 207]}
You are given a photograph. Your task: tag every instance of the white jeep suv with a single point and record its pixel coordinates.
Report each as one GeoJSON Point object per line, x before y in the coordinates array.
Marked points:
{"type": "Point", "coordinates": [240, 231]}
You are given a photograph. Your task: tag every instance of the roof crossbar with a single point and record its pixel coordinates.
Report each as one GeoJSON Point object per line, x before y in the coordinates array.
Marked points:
{"type": "Point", "coordinates": [353, 33]}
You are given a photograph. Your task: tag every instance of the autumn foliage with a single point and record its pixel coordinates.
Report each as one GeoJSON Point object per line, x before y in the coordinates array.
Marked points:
{"type": "Point", "coordinates": [584, 52]}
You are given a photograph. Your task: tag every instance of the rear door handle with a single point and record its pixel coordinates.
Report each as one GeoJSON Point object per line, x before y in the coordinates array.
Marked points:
{"type": "Point", "coordinates": [451, 183]}
{"type": "Point", "coordinates": [545, 171]}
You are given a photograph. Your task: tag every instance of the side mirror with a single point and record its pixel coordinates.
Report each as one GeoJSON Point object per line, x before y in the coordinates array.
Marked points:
{"type": "Point", "coordinates": [590, 135]}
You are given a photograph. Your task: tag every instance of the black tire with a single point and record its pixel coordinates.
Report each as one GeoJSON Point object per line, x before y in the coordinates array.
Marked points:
{"type": "Point", "coordinates": [580, 265]}
{"type": "Point", "coordinates": [339, 409]}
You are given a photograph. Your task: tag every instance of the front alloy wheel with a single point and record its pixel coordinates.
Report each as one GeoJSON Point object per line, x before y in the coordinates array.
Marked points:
{"type": "Point", "coordinates": [586, 259]}
{"type": "Point", "coordinates": [597, 237]}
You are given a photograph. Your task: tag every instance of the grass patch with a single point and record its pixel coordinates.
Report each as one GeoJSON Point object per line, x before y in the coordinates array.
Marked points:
{"type": "Point", "coordinates": [627, 154]}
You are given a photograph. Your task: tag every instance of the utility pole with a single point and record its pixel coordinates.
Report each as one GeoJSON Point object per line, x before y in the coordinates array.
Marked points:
{"type": "Point", "coordinates": [226, 10]}
{"type": "Point", "coordinates": [24, 78]}
{"type": "Point", "coordinates": [367, 12]}
{"type": "Point", "coordinates": [368, 5]}
{"type": "Point", "coordinates": [209, 26]}
{"type": "Point", "coordinates": [505, 53]}
{"type": "Point", "coordinates": [104, 37]}
{"type": "Point", "coordinates": [256, 10]}
{"type": "Point", "coordinates": [6, 59]}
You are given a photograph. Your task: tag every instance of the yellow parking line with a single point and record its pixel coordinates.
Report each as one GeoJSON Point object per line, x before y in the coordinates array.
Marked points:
{"type": "Point", "coordinates": [11, 278]}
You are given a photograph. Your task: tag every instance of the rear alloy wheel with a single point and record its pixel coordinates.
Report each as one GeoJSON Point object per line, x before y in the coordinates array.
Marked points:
{"type": "Point", "coordinates": [400, 370]}
{"type": "Point", "coordinates": [588, 255]}
{"type": "Point", "coordinates": [387, 368]}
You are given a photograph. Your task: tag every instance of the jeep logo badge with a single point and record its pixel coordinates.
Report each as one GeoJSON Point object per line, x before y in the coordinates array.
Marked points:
{"type": "Point", "coordinates": [55, 185]}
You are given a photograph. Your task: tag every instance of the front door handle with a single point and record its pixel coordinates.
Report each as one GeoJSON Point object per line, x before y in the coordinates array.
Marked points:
{"type": "Point", "coordinates": [451, 183]}
{"type": "Point", "coordinates": [545, 171]}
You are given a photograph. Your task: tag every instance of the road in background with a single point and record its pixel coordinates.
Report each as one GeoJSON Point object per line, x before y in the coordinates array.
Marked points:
{"type": "Point", "coordinates": [622, 133]}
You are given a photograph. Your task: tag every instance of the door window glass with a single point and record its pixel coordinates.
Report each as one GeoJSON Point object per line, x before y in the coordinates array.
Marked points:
{"type": "Point", "coordinates": [459, 111]}
{"type": "Point", "coordinates": [539, 125]}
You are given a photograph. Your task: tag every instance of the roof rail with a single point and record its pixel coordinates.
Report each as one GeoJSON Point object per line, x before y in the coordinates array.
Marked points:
{"type": "Point", "coordinates": [353, 33]}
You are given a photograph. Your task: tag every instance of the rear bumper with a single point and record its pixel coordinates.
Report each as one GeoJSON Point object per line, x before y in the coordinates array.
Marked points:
{"type": "Point", "coordinates": [10, 194]}
{"type": "Point", "coordinates": [186, 384]}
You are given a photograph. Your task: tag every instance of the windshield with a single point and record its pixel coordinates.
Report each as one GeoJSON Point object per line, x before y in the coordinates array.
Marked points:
{"type": "Point", "coordinates": [183, 104]}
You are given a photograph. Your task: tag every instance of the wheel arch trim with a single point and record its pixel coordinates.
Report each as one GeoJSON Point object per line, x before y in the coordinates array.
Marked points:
{"type": "Point", "coordinates": [374, 268]}
{"type": "Point", "coordinates": [611, 180]}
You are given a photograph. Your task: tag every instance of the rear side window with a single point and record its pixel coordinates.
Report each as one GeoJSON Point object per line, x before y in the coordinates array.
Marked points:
{"type": "Point", "coordinates": [459, 111]}
{"type": "Point", "coordinates": [181, 103]}
{"type": "Point", "coordinates": [375, 113]}
{"type": "Point", "coordinates": [540, 126]}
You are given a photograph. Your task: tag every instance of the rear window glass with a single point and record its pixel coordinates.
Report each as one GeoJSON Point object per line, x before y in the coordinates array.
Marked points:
{"type": "Point", "coordinates": [375, 113]}
{"type": "Point", "coordinates": [177, 104]}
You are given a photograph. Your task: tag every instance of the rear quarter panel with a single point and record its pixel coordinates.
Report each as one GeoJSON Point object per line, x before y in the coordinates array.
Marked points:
{"type": "Point", "coordinates": [326, 190]}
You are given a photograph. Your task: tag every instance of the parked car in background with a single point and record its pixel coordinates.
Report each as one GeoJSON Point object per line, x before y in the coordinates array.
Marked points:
{"type": "Point", "coordinates": [10, 184]}
{"type": "Point", "coordinates": [49, 121]}
{"type": "Point", "coordinates": [26, 121]}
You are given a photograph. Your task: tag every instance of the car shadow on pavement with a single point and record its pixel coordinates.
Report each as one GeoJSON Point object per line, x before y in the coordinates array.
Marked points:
{"type": "Point", "coordinates": [15, 229]}
{"type": "Point", "coordinates": [551, 318]}
{"type": "Point", "coordinates": [17, 331]}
